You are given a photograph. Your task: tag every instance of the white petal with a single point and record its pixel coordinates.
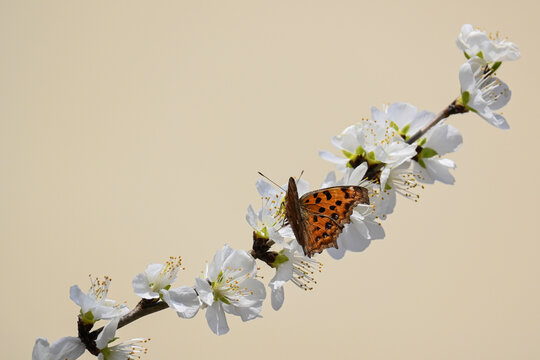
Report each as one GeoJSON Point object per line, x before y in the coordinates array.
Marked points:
{"type": "Point", "coordinates": [247, 313]}
{"type": "Point", "coordinates": [336, 253]}
{"type": "Point", "coordinates": [41, 349]}
{"type": "Point", "coordinates": [422, 174]}
{"type": "Point", "coordinates": [141, 287]}
{"type": "Point", "coordinates": [443, 138]}
{"type": "Point", "coordinates": [466, 77]}
{"type": "Point", "coordinates": [496, 120]}
{"type": "Point", "coordinates": [107, 334]}
{"type": "Point", "coordinates": [346, 141]}
{"type": "Point", "coordinates": [76, 294]}
{"type": "Point", "coordinates": [183, 300]}
{"type": "Point", "coordinates": [333, 158]}
{"type": "Point", "coordinates": [357, 174]}
{"type": "Point", "coordinates": [354, 241]}
{"type": "Point", "coordinates": [377, 114]}
{"type": "Point", "coordinates": [302, 186]}
{"type": "Point", "coordinates": [205, 291]}
{"type": "Point", "coordinates": [263, 187]}
{"type": "Point", "coordinates": [386, 204]}
{"type": "Point", "coordinates": [329, 180]}
{"type": "Point", "coordinates": [67, 348]}
{"type": "Point", "coordinates": [215, 316]}
{"type": "Point", "coordinates": [215, 267]}
{"type": "Point", "coordinates": [251, 217]}
{"type": "Point", "coordinates": [254, 294]}
{"type": "Point", "coordinates": [439, 169]}
{"type": "Point", "coordinates": [284, 273]}
{"type": "Point", "coordinates": [384, 176]}
{"type": "Point", "coordinates": [153, 270]}
{"type": "Point", "coordinates": [375, 230]}
{"type": "Point", "coordinates": [402, 113]}
{"type": "Point", "coordinates": [238, 265]}
{"type": "Point", "coordinates": [420, 120]}
{"type": "Point", "coordinates": [277, 298]}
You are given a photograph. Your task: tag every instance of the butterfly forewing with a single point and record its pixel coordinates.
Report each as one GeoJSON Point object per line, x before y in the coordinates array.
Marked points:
{"type": "Point", "coordinates": [318, 217]}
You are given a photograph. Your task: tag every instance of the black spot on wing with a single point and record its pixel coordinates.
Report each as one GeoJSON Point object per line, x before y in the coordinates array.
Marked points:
{"type": "Point", "coordinates": [328, 195]}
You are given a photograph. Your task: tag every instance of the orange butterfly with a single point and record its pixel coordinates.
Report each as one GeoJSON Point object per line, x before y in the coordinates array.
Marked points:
{"type": "Point", "coordinates": [318, 217]}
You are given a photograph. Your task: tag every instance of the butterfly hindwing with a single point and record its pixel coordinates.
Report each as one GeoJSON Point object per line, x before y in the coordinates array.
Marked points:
{"type": "Point", "coordinates": [318, 217]}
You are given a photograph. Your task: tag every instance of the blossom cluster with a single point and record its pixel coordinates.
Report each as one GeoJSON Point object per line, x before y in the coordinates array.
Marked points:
{"type": "Point", "coordinates": [395, 152]}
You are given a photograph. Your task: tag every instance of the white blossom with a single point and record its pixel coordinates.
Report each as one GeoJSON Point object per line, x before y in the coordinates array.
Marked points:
{"type": "Point", "coordinates": [129, 350]}
{"type": "Point", "coordinates": [94, 304]}
{"type": "Point", "coordinates": [488, 47]}
{"type": "Point", "coordinates": [229, 285]}
{"type": "Point", "coordinates": [407, 120]}
{"type": "Point", "coordinates": [483, 93]}
{"type": "Point", "coordinates": [156, 277]}
{"type": "Point", "coordinates": [375, 142]}
{"type": "Point", "coordinates": [292, 265]}
{"type": "Point", "coordinates": [269, 220]}
{"type": "Point", "coordinates": [430, 166]}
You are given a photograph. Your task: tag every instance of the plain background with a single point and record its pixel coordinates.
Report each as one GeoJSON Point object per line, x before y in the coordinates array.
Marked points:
{"type": "Point", "coordinates": [131, 131]}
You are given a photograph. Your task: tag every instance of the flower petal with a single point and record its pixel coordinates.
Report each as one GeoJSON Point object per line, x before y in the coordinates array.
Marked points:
{"type": "Point", "coordinates": [205, 291]}
{"type": "Point", "coordinates": [277, 297]}
{"type": "Point", "coordinates": [239, 265]}
{"type": "Point", "coordinates": [333, 158]}
{"type": "Point", "coordinates": [76, 294]}
{"type": "Point", "coordinates": [439, 169]}
{"type": "Point", "coordinates": [337, 253]}
{"type": "Point", "coordinates": [107, 334]}
{"type": "Point", "coordinates": [183, 300]}
{"type": "Point", "coordinates": [141, 287]}
{"type": "Point", "coordinates": [466, 77]}
{"type": "Point", "coordinates": [67, 348]}
{"type": "Point", "coordinates": [215, 316]}
{"type": "Point", "coordinates": [214, 268]}
{"type": "Point", "coordinates": [41, 349]}
{"type": "Point", "coordinates": [443, 138]}
{"type": "Point", "coordinates": [251, 217]}
{"type": "Point", "coordinates": [401, 113]}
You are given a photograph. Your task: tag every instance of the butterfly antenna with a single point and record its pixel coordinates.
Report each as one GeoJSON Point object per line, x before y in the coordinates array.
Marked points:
{"type": "Point", "coordinates": [267, 178]}
{"type": "Point", "coordinates": [299, 177]}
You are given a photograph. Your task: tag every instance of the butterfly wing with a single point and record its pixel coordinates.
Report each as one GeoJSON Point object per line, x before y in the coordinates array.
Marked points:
{"type": "Point", "coordinates": [294, 215]}
{"type": "Point", "coordinates": [325, 212]}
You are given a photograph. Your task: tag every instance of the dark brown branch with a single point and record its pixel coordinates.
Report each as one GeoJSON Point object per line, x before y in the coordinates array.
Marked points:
{"type": "Point", "coordinates": [143, 308]}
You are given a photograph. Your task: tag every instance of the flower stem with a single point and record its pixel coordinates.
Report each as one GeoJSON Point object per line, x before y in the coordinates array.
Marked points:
{"type": "Point", "coordinates": [453, 108]}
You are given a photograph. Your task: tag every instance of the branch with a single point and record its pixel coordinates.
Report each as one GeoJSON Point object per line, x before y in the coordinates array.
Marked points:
{"type": "Point", "coordinates": [451, 109]}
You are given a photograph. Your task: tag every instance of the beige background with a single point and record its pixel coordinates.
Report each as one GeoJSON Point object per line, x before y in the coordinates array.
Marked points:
{"type": "Point", "coordinates": [131, 131]}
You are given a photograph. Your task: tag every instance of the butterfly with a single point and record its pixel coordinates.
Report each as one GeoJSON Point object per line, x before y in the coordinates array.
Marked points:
{"type": "Point", "coordinates": [318, 217]}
